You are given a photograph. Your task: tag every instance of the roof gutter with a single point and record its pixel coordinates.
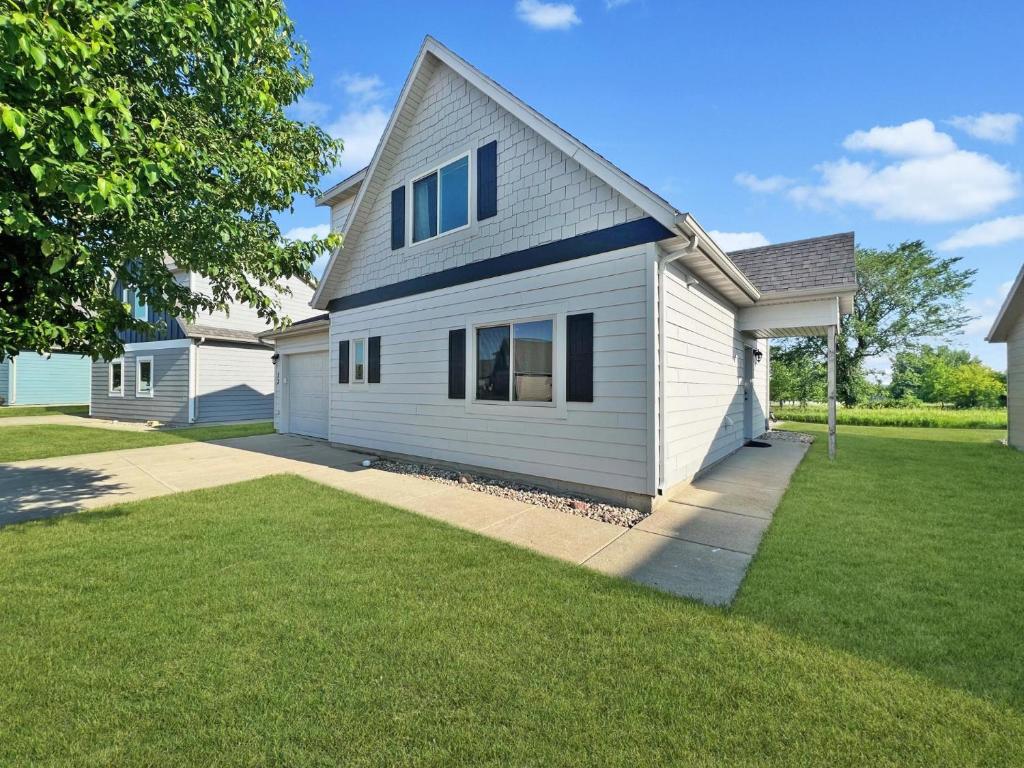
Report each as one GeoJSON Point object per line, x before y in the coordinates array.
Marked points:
{"type": "Point", "coordinates": [686, 224]}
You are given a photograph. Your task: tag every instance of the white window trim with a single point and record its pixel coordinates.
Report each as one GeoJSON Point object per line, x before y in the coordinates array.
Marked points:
{"type": "Point", "coordinates": [352, 360]}
{"type": "Point", "coordinates": [111, 392]}
{"type": "Point", "coordinates": [470, 196]}
{"type": "Point", "coordinates": [138, 378]}
{"type": "Point", "coordinates": [514, 409]}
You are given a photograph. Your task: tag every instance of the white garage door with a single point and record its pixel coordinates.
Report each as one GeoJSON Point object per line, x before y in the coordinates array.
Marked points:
{"type": "Point", "coordinates": [307, 394]}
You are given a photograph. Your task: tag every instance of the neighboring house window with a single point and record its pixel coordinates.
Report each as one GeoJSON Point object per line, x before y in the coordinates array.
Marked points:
{"type": "Point", "coordinates": [440, 200]}
{"type": "Point", "coordinates": [515, 362]}
{"type": "Point", "coordinates": [139, 309]}
{"type": "Point", "coordinates": [144, 376]}
{"type": "Point", "coordinates": [359, 361]}
{"type": "Point", "coordinates": [115, 378]}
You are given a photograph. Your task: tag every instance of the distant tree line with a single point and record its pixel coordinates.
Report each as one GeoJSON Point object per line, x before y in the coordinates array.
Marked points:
{"type": "Point", "coordinates": [908, 296]}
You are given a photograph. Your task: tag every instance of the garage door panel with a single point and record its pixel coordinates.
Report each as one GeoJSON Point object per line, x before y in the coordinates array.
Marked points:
{"type": "Point", "coordinates": [307, 394]}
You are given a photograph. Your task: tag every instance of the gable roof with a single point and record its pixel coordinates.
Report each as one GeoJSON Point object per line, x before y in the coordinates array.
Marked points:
{"type": "Point", "coordinates": [1013, 308]}
{"type": "Point", "coordinates": [345, 188]}
{"type": "Point", "coordinates": [800, 265]}
{"type": "Point", "coordinates": [431, 54]}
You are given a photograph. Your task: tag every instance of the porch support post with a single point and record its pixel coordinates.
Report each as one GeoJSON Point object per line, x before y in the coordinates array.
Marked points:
{"type": "Point", "coordinates": [831, 392]}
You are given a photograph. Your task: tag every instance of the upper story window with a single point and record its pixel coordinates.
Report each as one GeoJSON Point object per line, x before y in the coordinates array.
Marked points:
{"type": "Point", "coordinates": [138, 304]}
{"type": "Point", "coordinates": [515, 362]}
{"type": "Point", "coordinates": [440, 200]}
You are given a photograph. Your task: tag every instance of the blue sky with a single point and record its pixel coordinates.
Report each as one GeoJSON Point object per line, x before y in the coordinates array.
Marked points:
{"type": "Point", "coordinates": [767, 121]}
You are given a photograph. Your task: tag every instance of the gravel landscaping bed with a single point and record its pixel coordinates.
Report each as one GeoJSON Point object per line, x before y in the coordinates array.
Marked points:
{"type": "Point", "coordinates": [530, 494]}
{"type": "Point", "coordinates": [790, 437]}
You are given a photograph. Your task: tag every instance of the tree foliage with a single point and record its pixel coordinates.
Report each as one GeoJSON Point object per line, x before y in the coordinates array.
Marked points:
{"type": "Point", "coordinates": [135, 135]}
{"type": "Point", "coordinates": [906, 294]}
{"type": "Point", "coordinates": [916, 373]}
{"type": "Point", "coordinates": [796, 377]}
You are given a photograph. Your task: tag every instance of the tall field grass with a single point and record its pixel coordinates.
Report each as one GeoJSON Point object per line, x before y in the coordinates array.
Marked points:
{"type": "Point", "coordinates": [967, 418]}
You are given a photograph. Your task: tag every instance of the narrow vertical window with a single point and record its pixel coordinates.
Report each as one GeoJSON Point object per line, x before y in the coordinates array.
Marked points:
{"type": "Point", "coordinates": [359, 361]}
{"type": "Point", "coordinates": [144, 377]}
{"type": "Point", "coordinates": [116, 378]}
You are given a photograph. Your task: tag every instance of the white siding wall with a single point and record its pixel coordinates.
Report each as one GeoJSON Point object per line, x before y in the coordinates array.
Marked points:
{"type": "Point", "coordinates": [339, 213]}
{"type": "Point", "coordinates": [1015, 383]}
{"type": "Point", "coordinates": [242, 317]}
{"type": "Point", "coordinates": [603, 443]}
{"type": "Point", "coordinates": [234, 383]}
{"type": "Point", "coordinates": [542, 194]}
{"type": "Point", "coordinates": [704, 379]}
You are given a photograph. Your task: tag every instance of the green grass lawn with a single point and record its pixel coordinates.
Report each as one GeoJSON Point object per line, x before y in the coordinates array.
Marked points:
{"type": "Point", "coordinates": [44, 440]}
{"type": "Point", "coordinates": [966, 418]}
{"type": "Point", "coordinates": [283, 622]}
{"type": "Point", "coordinates": [8, 411]}
{"type": "Point", "coordinates": [909, 549]}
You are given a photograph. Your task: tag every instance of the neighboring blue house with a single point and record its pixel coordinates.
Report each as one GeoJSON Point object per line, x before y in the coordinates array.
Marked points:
{"type": "Point", "coordinates": [33, 379]}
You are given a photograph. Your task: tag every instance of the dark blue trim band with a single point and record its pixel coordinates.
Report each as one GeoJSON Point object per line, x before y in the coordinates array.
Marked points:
{"type": "Point", "coordinates": [600, 241]}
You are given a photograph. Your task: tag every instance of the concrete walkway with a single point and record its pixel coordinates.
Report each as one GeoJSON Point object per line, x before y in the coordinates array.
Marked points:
{"type": "Point", "coordinates": [73, 421]}
{"type": "Point", "coordinates": [698, 546]}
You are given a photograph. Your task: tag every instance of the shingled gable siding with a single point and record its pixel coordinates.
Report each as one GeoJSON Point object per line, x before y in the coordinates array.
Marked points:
{"type": "Point", "coordinates": [704, 379]}
{"type": "Point", "coordinates": [543, 196]}
{"type": "Point", "coordinates": [603, 443]}
{"type": "Point", "coordinates": [243, 317]}
{"type": "Point", "coordinates": [169, 403]}
{"type": "Point", "coordinates": [1015, 383]}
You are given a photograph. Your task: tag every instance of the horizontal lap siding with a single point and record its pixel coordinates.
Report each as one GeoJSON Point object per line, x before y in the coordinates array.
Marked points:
{"type": "Point", "coordinates": [704, 379]}
{"type": "Point", "coordinates": [169, 403]}
{"type": "Point", "coordinates": [60, 379]}
{"type": "Point", "coordinates": [1015, 383]}
{"type": "Point", "coordinates": [5, 381]}
{"type": "Point", "coordinates": [234, 383]}
{"type": "Point", "coordinates": [603, 443]}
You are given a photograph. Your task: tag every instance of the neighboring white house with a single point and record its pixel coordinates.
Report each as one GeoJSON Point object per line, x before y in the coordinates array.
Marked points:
{"type": "Point", "coordinates": [217, 369]}
{"type": "Point", "coordinates": [1009, 329]}
{"type": "Point", "coordinates": [507, 299]}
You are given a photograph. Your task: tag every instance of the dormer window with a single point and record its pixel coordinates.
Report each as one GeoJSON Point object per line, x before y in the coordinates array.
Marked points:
{"type": "Point", "coordinates": [440, 200]}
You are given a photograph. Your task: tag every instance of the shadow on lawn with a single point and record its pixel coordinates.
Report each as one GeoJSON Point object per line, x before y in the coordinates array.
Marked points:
{"type": "Point", "coordinates": [38, 493]}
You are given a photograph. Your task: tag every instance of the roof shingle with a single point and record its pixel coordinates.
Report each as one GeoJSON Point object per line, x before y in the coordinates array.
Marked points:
{"type": "Point", "coordinates": [818, 262]}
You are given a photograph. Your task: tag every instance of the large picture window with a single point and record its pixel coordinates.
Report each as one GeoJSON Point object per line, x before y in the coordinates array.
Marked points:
{"type": "Point", "coordinates": [515, 362]}
{"type": "Point", "coordinates": [440, 200]}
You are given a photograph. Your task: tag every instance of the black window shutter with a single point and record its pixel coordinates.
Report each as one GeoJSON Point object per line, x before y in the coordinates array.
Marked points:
{"type": "Point", "coordinates": [373, 364]}
{"type": "Point", "coordinates": [487, 181]}
{"type": "Point", "coordinates": [457, 364]}
{"type": "Point", "coordinates": [343, 362]}
{"type": "Point", "coordinates": [579, 365]}
{"type": "Point", "coordinates": [397, 218]}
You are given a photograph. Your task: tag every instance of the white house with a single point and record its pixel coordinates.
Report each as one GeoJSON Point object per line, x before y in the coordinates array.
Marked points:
{"type": "Point", "coordinates": [1009, 329]}
{"type": "Point", "coordinates": [507, 299]}
{"type": "Point", "coordinates": [216, 369]}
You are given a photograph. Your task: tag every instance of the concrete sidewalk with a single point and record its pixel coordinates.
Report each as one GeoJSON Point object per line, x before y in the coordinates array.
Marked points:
{"type": "Point", "coordinates": [73, 421]}
{"type": "Point", "coordinates": [698, 546]}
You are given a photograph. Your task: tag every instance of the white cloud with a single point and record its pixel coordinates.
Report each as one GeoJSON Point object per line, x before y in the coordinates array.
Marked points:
{"type": "Point", "coordinates": [994, 232]}
{"type": "Point", "coordinates": [360, 129]}
{"type": "Point", "coordinates": [767, 184]}
{"type": "Point", "coordinates": [737, 241]}
{"type": "Point", "coordinates": [362, 88]}
{"type": "Point", "coordinates": [947, 187]}
{"type": "Point", "coordinates": [309, 110]}
{"type": "Point", "coordinates": [917, 138]}
{"type": "Point", "coordinates": [999, 127]}
{"type": "Point", "coordinates": [541, 15]}
{"type": "Point", "coordinates": [304, 233]}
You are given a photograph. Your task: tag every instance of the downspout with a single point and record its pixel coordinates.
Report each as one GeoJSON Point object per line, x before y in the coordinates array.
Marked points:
{"type": "Point", "coordinates": [193, 385]}
{"type": "Point", "coordinates": [663, 261]}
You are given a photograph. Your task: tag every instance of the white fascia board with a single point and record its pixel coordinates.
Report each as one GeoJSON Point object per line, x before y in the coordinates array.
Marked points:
{"type": "Point", "coordinates": [343, 188]}
{"type": "Point", "coordinates": [145, 346]}
{"type": "Point", "coordinates": [1012, 307]}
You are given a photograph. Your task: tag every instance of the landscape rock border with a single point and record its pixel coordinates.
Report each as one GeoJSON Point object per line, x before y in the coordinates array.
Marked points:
{"type": "Point", "coordinates": [510, 489]}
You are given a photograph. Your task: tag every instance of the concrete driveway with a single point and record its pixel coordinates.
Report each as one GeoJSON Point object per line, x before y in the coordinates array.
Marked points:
{"type": "Point", "coordinates": [699, 545]}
